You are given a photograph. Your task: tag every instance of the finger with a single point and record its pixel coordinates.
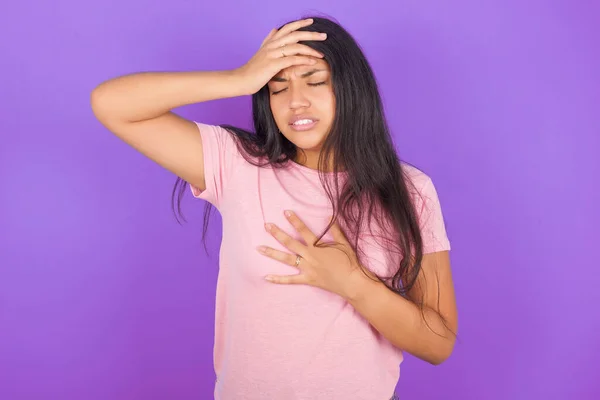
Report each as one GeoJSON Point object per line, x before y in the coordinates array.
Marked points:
{"type": "Point", "coordinates": [286, 279]}
{"type": "Point", "coordinates": [308, 236]}
{"type": "Point", "coordinates": [295, 49]}
{"type": "Point", "coordinates": [290, 243]}
{"type": "Point", "coordinates": [269, 36]}
{"type": "Point", "coordinates": [292, 26]}
{"type": "Point", "coordinates": [295, 37]}
{"type": "Point", "coordinates": [338, 234]}
{"type": "Point", "coordinates": [286, 62]}
{"type": "Point", "coordinates": [286, 258]}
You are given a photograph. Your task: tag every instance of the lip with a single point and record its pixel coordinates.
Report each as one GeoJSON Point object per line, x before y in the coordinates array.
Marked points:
{"type": "Point", "coordinates": [304, 127]}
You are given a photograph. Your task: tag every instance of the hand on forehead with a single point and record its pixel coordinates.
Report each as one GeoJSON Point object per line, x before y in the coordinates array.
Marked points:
{"type": "Point", "coordinates": [303, 71]}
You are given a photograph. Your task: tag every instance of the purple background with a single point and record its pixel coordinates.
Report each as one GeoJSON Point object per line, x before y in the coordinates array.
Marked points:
{"type": "Point", "coordinates": [104, 296]}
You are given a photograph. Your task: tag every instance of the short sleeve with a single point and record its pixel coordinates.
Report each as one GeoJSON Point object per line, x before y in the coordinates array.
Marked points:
{"type": "Point", "coordinates": [220, 154]}
{"type": "Point", "coordinates": [431, 219]}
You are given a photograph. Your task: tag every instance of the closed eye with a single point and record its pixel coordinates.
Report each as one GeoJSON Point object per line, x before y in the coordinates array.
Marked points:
{"type": "Point", "coordinates": [310, 84]}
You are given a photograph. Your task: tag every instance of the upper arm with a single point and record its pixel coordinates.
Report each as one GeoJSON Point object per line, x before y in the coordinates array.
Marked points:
{"type": "Point", "coordinates": [169, 140]}
{"type": "Point", "coordinates": [435, 288]}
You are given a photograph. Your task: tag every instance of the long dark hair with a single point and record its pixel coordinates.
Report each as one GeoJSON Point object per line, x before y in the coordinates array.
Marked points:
{"type": "Point", "coordinates": [360, 144]}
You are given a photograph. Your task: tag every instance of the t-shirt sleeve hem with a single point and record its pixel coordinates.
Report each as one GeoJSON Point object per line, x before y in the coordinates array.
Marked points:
{"type": "Point", "coordinates": [209, 145]}
{"type": "Point", "coordinates": [433, 228]}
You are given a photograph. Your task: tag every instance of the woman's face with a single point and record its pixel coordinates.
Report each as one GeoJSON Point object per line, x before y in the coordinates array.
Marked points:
{"type": "Point", "coordinates": [303, 104]}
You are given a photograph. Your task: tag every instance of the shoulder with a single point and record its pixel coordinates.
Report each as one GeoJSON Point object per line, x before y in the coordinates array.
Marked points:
{"type": "Point", "coordinates": [422, 190]}
{"type": "Point", "coordinates": [214, 132]}
{"type": "Point", "coordinates": [229, 141]}
{"type": "Point", "coordinates": [428, 208]}
{"type": "Point", "coordinates": [416, 180]}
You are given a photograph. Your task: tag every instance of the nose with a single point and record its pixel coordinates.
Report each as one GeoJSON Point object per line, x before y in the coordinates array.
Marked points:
{"type": "Point", "coordinates": [297, 97]}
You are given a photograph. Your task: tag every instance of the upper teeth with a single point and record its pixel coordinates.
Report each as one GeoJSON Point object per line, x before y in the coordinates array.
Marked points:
{"type": "Point", "coordinates": [303, 121]}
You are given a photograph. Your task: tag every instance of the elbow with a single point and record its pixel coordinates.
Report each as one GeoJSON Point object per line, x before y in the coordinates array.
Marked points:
{"type": "Point", "coordinates": [438, 360]}
{"type": "Point", "coordinates": [98, 101]}
{"type": "Point", "coordinates": [442, 354]}
{"type": "Point", "coordinates": [105, 101]}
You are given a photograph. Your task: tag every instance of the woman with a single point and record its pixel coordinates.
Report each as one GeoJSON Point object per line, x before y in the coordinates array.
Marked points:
{"type": "Point", "coordinates": [334, 256]}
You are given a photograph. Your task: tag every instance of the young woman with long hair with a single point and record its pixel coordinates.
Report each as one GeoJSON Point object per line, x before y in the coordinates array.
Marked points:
{"type": "Point", "coordinates": [334, 257]}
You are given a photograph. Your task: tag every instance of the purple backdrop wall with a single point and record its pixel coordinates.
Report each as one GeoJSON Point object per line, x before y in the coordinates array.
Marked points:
{"type": "Point", "coordinates": [103, 296]}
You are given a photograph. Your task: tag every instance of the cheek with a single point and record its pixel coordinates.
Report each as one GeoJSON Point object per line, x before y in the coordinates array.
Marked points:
{"type": "Point", "coordinates": [326, 98]}
{"type": "Point", "coordinates": [328, 105]}
{"type": "Point", "coordinates": [276, 109]}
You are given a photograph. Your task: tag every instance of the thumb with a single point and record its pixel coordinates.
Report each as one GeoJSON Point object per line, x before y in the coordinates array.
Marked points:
{"type": "Point", "coordinates": [337, 233]}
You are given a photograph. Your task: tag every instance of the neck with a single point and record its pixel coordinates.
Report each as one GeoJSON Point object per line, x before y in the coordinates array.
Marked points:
{"type": "Point", "coordinates": [310, 160]}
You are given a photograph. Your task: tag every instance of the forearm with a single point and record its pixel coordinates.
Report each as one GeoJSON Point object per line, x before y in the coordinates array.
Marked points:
{"type": "Point", "coordinates": [401, 321]}
{"type": "Point", "coordinates": [147, 95]}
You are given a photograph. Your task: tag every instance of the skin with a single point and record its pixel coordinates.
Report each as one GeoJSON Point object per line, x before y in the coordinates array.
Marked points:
{"type": "Point", "coordinates": [304, 91]}
{"type": "Point", "coordinates": [138, 108]}
{"type": "Point", "coordinates": [396, 318]}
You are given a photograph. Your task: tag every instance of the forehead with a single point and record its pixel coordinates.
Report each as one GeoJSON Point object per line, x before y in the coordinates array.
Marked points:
{"type": "Point", "coordinates": [296, 71]}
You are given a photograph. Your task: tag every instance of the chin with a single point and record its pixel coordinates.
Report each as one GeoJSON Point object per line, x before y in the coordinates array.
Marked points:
{"type": "Point", "coordinates": [308, 145]}
{"type": "Point", "coordinates": [307, 141]}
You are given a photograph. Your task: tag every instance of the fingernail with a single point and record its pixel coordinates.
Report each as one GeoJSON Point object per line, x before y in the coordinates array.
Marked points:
{"type": "Point", "coordinates": [269, 278]}
{"type": "Point", "coordinates": [323, 35]}
{"type": "Point", "coordinates": [268, 227]}
{"type": "Point", "coordinates": [261, 249]}
{"type": "Point", "coordinates": [287, 213]}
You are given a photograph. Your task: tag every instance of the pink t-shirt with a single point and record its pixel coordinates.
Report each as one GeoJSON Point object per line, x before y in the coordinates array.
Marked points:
{"type": "Point", "coordinates": [289, 342]}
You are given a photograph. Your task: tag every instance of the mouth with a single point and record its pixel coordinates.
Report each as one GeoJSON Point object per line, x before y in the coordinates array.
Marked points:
{"type": "Point", "coordinates": [304, 124]}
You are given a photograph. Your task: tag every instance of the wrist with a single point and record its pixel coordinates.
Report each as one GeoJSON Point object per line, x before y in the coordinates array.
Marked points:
{"type": "Point", "coordinates": [357, 285]}
{"type": "Point", "coordinates": [238, 76]}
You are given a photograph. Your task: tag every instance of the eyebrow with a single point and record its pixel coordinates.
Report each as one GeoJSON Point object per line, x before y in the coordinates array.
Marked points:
{"type": "Point", "coordinates": [304, 75]}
